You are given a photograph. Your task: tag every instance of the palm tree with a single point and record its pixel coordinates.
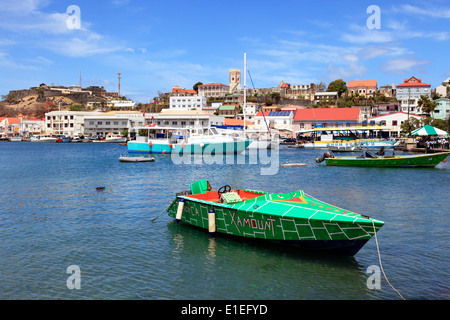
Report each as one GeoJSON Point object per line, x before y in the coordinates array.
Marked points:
{"type": "Point", "coordinates": [426, 104]}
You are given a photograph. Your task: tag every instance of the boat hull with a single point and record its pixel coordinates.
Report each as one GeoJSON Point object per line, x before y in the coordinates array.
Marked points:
{"type": "Point", "coordinates": [312, 231]}
{"type": "Point", "coordinates": [234, 147]}
{"type": "Point", "coordinates": [417, 161]}
{"type": "Point", "coordinates": [371, 144]}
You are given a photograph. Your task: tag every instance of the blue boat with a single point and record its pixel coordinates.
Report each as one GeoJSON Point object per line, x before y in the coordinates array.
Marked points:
{"type": "Point", "coordinates": [167, 140]}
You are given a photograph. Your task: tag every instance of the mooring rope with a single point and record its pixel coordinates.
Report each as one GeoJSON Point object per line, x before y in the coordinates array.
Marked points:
{"type": "Point", "coordinates": [379, 258]}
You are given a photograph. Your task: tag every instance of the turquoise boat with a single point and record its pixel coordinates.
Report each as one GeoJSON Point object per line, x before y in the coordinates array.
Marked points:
{"type": "Point", "coordinates": [166, 140]}
{"type": "Point", "coordinates": [293, 218]}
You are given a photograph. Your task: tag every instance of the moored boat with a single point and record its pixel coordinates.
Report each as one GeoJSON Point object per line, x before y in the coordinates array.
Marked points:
{"type": "Point", "coordinates": [369, 159]}
{"type": "Point", "coordinates": [127, 158]}
{"type": "Point", "coordinates": [15, 138]}
{"type": "Point", "coordinates": [168, 140]}
{"type": "Point", "coordinates": [43, 138]}
{"type": "Point", "coordinates": [293, 218]}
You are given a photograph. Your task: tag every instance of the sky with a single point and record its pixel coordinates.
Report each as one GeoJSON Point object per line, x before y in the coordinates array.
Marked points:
{"type": "Point", "coordinates": [159, 44]}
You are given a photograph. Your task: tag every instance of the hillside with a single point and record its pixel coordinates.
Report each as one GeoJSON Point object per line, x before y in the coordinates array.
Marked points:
{"type": "Point", "coordinates": [30, 107]}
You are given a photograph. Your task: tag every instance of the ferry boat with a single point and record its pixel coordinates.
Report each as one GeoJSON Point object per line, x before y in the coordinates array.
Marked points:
{"type": "Point", "coordinates": [156, 139]}
{"type": "Point", "coordinates": [293, 218]}
{"type": "Point", "coordinates": [347, 137]}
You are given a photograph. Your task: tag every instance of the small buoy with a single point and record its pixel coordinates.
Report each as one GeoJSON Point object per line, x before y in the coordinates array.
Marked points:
{"type": "Point", "coordinates": [163, 152]}
{"type": "Point", "coordinates": [202, 144]}
{"type": "Point", "coordinates": [182, 145]}
{"type": "Point", "coordinates": [100, 188]}
{"type": "Point", "coordinates": [180, 209]}
{"type": "Point", "coordinates": [150, 144]}
{"type": "Point", "coordinates": [171, 145]}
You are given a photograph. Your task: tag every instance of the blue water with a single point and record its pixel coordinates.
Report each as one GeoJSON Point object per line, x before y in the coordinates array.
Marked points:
{"type": "Point", "coordinates": [52, 217]}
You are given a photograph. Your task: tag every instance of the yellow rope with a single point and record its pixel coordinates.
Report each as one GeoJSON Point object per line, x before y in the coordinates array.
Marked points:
{"type": "Point", "coordinates": [379, 258]}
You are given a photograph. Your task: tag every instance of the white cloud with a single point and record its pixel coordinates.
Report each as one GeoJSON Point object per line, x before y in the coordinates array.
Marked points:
{"type": "Point", "coordinates": [426, 11]}
{"type": "Point", "coordinates": [403, 65]}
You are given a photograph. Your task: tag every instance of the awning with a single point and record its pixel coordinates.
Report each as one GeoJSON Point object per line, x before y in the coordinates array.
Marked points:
{"type": "Point", "coordinates": [428, 130]}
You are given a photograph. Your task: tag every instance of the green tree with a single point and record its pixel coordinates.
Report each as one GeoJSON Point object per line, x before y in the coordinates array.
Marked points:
{"type": "Point", "coordinates": [427, 104]}
{"type": "Point", "coordinates": [195, 87]}
{"type": "Point", "coordinates": [410, 125]}
{"type": "Point", "coordinates": [339, 86]}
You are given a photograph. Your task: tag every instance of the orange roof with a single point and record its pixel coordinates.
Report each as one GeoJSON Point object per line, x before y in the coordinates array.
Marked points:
{"type": "Point", "coordinates": [362, 83]}
{"type": "Point", "coordinates": [13, 120]}
{"type": "Point", "coordinates": [178, 89]}
{"type": "Point", "coordinates": [237, 122]}
{"type": "Point", "coordinates": [326, 114]}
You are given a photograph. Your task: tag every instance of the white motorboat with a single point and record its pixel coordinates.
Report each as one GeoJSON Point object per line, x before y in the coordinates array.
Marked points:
{"type": "Point", "coordinates": [43, 138]}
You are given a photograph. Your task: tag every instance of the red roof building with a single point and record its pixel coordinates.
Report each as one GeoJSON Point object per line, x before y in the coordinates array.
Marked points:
{"type": "Point", "coordinates": [177, 91]}
{"type": "Point", "coordinates": [326, 117]}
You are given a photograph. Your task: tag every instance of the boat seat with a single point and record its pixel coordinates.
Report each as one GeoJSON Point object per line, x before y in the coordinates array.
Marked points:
{"type": "Point", "coordinates": [200, 186]}
{"type": "Point", "coordinates": [230, 197]}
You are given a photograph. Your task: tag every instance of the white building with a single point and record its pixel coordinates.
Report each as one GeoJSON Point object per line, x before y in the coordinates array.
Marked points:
{"type": "Point", "coordinates": [392, 122]}
{"type": "Point", "coordinates": [187, 118]}
{"type": "Point", "coordinates": [123, 104]}
{"type": "Point", "coordinates": [277, 120]}
{"type": "Point", "coordinates": [409, 92]}
{"type": "Point", "coordinates": [69, 123]}
{"type": "Point", "coordinates": [187, 102]}
{"type": "Point", "coordinates": [114, 122]}
{"type": "Point", "coordinates": [442, 89]}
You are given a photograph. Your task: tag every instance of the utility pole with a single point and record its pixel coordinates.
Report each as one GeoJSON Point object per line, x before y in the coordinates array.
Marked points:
{"type": "Point", "coordinates": [118, 75]}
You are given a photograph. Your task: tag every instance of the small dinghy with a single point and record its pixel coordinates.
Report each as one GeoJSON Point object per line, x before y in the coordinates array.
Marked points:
{"type": "Point", "coordinates": [136, 159]}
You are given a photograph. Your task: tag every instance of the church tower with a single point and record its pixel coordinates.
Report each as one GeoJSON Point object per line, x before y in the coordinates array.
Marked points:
{"type": "Point", "coordinates": [235, 80]}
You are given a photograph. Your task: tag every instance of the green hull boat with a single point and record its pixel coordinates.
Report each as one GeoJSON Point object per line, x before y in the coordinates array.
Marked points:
{"type": "Point", "coordinates": [289, 218]}
{"type": "Point", "coordinates": [416, 160]}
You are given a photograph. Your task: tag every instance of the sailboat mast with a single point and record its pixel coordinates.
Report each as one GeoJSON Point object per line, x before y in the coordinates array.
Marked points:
{"type": "Point", "coordinates": [245, 89]}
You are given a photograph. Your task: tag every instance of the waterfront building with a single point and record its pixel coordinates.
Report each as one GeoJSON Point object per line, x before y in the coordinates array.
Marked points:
{"type": "Point", "coordinates": [281, 121]}
{"type": "Point", "coordinates": [392, 122]}
{"type": "Point", "coordinates": [310, 118]}
{"type": "Point", "coordinates": [187, 102]}
{"type": "Point", "coordinates": [442, 110]}
{"type": "Point", "coordinates": [10, 125]}
{"type": "Point", "coordinates": [114, 122]}
{"type": "Point", "coordinates": [367, 88]}
{"type": "Point", "coordinates": [69, 123]}
{"type": "Point", "coordinates": [409, 92]}
{"type": "Point", "coordinates": [31, 126]}
{"type": "Point", "coordinates": [215, 90]}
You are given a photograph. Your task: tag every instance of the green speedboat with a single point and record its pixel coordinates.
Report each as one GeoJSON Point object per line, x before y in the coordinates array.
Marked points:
{"type": "Point", "coordinates": [289, 218]}
{"type": "Point", "coordinates": [370, 160]}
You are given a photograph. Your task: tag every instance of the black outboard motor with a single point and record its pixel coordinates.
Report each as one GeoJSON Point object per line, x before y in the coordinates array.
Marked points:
{"type": "Point", "coordinates": [326, 155]}
{"type": "Point", "coordinates": [381, 152]}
